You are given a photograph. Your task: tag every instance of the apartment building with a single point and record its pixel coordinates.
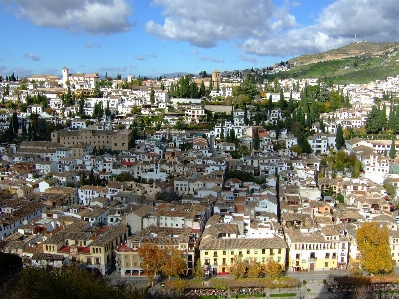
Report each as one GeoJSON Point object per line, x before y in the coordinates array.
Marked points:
{"type": "Point", "coordinates": [320, 249]}
{"type": "Point", "coordinates": [217, 255]}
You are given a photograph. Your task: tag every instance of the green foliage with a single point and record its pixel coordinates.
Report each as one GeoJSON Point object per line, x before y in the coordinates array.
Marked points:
{"type": "Point", "coordinates": [244, 176]}
{"type": "Point", "coordinates": [339, 139]}
{"type": "Point", "coordinates": [375, 121]}
{"type": "Point", "coordinates": [304, 143]}
{"type": "Point", "coordinates": [392, 150]}
{"type": "Point", "coordinates": [248, 88]}
{"type": "Point", "coordinates": [97, 93]}
{"type": "Point", "coordinates": [124, 177]}
{"type": "Point", "coordinates": [71, 282]}
{"type": "Point", "coordinates": [341, 161]}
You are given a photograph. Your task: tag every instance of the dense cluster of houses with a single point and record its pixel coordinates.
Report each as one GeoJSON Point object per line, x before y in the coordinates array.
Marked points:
{"type": "Point", "coordinates": [61, 201]}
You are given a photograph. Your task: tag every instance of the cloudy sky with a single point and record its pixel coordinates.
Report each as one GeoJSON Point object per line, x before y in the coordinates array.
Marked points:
{"type": "Point", "coordinates": [143, 37]}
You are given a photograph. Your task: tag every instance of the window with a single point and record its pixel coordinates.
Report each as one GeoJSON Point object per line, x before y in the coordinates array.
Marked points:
{"type": "Point", "coordinates": [248, 251]}
{"type": "Point", "coordinates": [297, 256]}
{"type": "Point", "coordinates": [326, 264]}
{"type": "Point", "coordinates": [224, 252]}
{"type": "Point", "coordinates": [206, 252]}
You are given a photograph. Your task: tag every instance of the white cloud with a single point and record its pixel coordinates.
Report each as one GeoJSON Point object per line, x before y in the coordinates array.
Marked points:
{"type": "Point", "coordinates": [205, 22]}
{"type": "Point", "coordinates": [92, 45]}
{"type": "Point", "coordinates": [92, 16]}
{"type": "Point", "coordinates": [51, 71]}
{"type": "Point", "coordinates": [32, 57]}
{"type": "Point", "coordinates": [112, 69]}
{"type": "Point", "coordinates": [194, 52]}
{"type": "Point", "coordinates": [212, 59]}
{"type": "Point", "coordinates": [249, 58]}
{"type": "Point", "coordinates": [336, 26]}
{"type": "Point", "coordinates": [262, 27]}
{"type": "Point", "coordinates": [139, 57]}
{"type": "Point", "coordinates": [133, 67]}
{"type": "Point", "coordinates": [154, 55]}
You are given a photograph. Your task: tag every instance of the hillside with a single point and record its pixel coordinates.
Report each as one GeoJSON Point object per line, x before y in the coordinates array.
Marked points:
{"type": "Point", "coordinates": [360, 49]}
{"type": "Point", "coordinates": [359, 62]}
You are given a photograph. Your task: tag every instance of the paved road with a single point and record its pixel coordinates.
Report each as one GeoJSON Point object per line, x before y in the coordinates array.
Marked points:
{"type": "Point", "coordinates": [317, 276]}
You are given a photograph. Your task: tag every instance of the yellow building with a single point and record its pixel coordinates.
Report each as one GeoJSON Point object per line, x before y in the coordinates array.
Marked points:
{"type": "Point", "coordinates": [83, 243]}
{"type": "Point", "coordinates": [317, 249]}
{"type": "Point", "coordinates": [217, 255]}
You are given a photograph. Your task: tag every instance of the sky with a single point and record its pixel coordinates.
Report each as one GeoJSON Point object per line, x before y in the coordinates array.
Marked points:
{"type": "Point", "coordinates": [156, 37]}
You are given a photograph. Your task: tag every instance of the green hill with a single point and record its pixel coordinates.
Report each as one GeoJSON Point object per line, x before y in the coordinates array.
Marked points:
{"type": "Point", "coordinates": [359, 62]}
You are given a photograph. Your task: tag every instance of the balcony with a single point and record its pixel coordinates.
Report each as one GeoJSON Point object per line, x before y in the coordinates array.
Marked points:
{"type": "Point", "coordinates": [312, 258]}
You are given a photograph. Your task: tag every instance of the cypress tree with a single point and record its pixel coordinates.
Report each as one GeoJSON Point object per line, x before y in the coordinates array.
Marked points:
{"type": "Point", "coordinates": [339, 138]}
{"type": "Point", "coordinates": [256, 140]}
{"type": "Point", "coordinates": [392, 150]}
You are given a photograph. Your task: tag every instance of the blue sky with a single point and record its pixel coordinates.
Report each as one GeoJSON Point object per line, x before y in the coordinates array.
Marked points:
{"type": "Point", "coordinates": [152, 38]}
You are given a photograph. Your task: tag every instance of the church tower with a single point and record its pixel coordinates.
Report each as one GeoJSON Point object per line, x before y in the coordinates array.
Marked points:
{"type": "Point", "coordinates": [65, 76]}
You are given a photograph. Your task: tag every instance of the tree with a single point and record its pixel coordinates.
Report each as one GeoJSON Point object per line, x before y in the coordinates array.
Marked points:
{"type": "Point", "coordinates": [151, 259]}
{"type": "Point", "coordinates": [339, 138]}
{"type": "Point", "coordinates": [272, 269]}
{"type": "Point", "coordinates": [15, 123]}
{"type": "Point", "coordinates": [238, 268]}
{"type": "Point", "coordinates": [246, 121]}
{"type": "Point", "coordinates": [254, 268]}
{"type": "Point", "coordinates": [97, 93]}
{"type": "Point", "coordinates": [152, 96]}
{"type": "Point", "coordinates": [256, 139]}
{"type": "Point", "coordinates": [198, 270]}
{"type": "Point", "coordinates": [202, 89]}
{"type": "Point", "coordinates": [373, 123]}
{"type": "Point", "coordinates": [304, 143]}
{"type": "Point", "coordinates": [390, 189]}
{"type": "Point", "coordinates": [373, 244]}
{"type": "Point", "coordinates": [72, 282]}
{"type": "Point", "coordinates": [175, 264]}
{"type": "Point", "coordinates": [296, 149]}
{"type": "Point", "coordinates": [392, 150]}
